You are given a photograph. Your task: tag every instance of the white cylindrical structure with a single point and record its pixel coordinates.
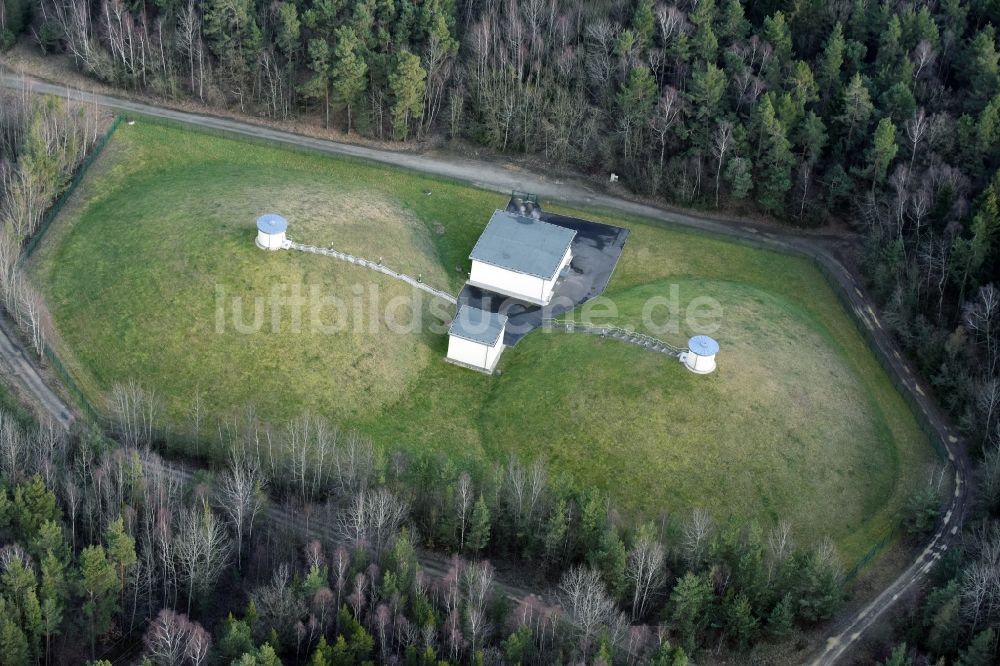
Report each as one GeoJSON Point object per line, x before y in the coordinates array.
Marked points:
{"type": "Point", "coordinates": [700, 356]}
{"type": "Point", "coordinates": [271, 231]}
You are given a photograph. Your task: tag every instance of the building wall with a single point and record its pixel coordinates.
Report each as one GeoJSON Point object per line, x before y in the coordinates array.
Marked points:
{"type": "Point", "coordinates": [702, 364]}
{"type": "Point", "coordinates": [493, 355]}
{"type": "Point", "coordinates": [525, 287]}
{"type": "Point", "coordinates": [473, 353]}
{"type": "Point", "coordinates": [270, 241]}
{"type": "Point", "coordinates": [550, 284]}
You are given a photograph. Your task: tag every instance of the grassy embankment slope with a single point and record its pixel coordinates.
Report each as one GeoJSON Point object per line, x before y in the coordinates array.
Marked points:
{"type": "Point", "coordinates": [799, 422]}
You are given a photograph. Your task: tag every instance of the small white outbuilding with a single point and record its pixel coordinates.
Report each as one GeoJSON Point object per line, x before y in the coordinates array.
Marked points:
{"type": "Point", "coordinates": [700, 354]}
{"type": "Point", "coordinates": [475, 338]}
{"type": "Point", "coordinates": [271, 230]}
{"type": "Point", "coordinates": [521, 257]}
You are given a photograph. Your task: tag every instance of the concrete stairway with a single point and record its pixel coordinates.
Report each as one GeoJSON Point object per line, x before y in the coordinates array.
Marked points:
{"type": "Point", "coordinates": [343, 256]}
{"type": "Point", "coordinates": [623, 334]}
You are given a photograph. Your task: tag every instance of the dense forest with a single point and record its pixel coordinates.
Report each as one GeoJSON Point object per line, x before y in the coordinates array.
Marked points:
{"type": "Point", "coordinates": [881, 116]}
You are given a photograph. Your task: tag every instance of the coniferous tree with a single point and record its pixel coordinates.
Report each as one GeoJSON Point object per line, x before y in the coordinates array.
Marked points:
{"type": "Point", "coordinates": [776, 160]}
{"type": "Point", "coordinates": [98, 584]}
{"type": "Point", "coordinates": [981, 650]}
{"type": "Point", "coordinates": [349, 72]}
{"type": "Point", "coordinates": [690, 603]}
{"type": "Point", "coordinates": [406, 84]}
{"type": "Point", "coordinates": [479, 527]}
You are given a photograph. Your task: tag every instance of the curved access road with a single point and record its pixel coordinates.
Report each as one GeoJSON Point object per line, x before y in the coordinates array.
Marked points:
{"type": "Point", "coordinates": [847, 630]}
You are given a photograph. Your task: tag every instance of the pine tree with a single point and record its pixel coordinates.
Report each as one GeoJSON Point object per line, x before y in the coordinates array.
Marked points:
{"type": "Point", "coordinates": [50, 539]}
{"type": "Point", "coordinates": [318, 85]}
{"type": "Point", "coordinates": [819, 588]}
{"type": "Point", "coordinates": [899, 657]}
{"type": "Point", "coordinates": [740, 620]}
{"type": "Point", "coordinates": [704, 44]}
{"type": "Point", "coordinates": [406, 84]}
{"type": "Point", "coordinates": [668, 655]}
{"type": "Point", "coordinates": [858, 108]}
{"type": "Point", "coordinates": [643, 23]}
{"type": "Point", "coordinates": [519, 646]}
{"type": "Point", "coordinates": [323, 654]}
{"type": "Point", "coordinates": [267, 656]}
{"type": "Point", "coordinates": [890, 50]}
{"type": "Point", "coordinates": [33, 505]}
{"type": "Point", "coordinates": [831, 62]}
{"type": "Point", "coordinates": [479, 527]}
{"type": "Point", "coordinates": [52, 617]}
{"type": "Point", "coordinates": [53, 578]}
{"type": "Point", "coordinates": [33, 623]}
{"type": "Point", "coordinates": [775, 162]}
{"type": "Point", "coordinates": [708, 87]}
{"type": "Point", "coordinates": [594, 520]}
{"type": "Point", "coordinates": [781, 619]}
{"type": "Point", "coordinates": [802, 86]}
{"type": "Point", "coordinates": [980, 64]}
{"type": "Point", "coordinates": [689, 603]}
{"type": "Point", "coordinates": [349, 73]}
{"type": "Point", "coordinates": [636, 100]}
{"type": "Point", "coordinates": [556, 532]}
{"type": "Point", "coordinates": [13, 643]}
{"type": "Point", "coordinates": [733, 25]}
{"type": "Point", "coordinates": [233, 36]}
{"type": "Point", "coordinates": [944, 627]}
{"type": "Point", "coordinates": [882, 151]}
{"type": "Point", "coordinates": [739, 175]}
{"type": "Point", "coordinates": [6, 510]}
{"type": "Point", "coordinates": [779, 36]}
{"type": "Point", "coordinates": [120, 550]}
{"type": "Point", "coordinates": [289, 29]}
{"type": "Point", "coordinates": [981, 650]}
{"type": "Point", "coordinates": [609, 559]}
{"type": "Point", "coordinates": [235, 639]}
{"type": "Point", "coordinates": [98, 583]}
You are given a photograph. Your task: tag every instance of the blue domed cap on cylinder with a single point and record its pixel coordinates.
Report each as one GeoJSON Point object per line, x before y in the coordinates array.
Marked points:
{"type": "Point", "coordinates": [272, 223]}
{"type": "Point", "coordinates": [702, 345]}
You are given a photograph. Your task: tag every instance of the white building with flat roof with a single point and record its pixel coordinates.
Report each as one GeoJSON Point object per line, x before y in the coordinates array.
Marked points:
{"type": "Point", "coordinates": [475, 338]}
{"type": "Point", "coordinates": [521, 257]}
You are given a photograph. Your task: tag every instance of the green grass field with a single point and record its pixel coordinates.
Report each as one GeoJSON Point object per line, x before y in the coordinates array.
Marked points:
{"type": "Point", "coordinates": [799, 422]}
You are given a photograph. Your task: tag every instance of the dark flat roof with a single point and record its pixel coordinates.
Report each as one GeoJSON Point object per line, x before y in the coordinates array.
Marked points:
{"type": "Point", "coordinates": [477, 325]}
{"type": "Point", "coordinates": [523, 244]}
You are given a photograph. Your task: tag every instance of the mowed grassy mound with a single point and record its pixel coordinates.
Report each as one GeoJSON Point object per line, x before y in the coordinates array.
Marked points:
{"type": "Point", "coordinates": [799, 423]}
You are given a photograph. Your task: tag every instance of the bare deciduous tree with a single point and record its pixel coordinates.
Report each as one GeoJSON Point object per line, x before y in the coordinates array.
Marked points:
{"type": "Point", "coordinates": [697, 532]}
{"type": "Point", "coordinates": [463, 504]}
{"type": "Point", "coordinates": [589, 608]}
{"type": "Point", "coordinates": [172, 639]}
{"type": "Point", "coordinates": [134, 411]}
{"type": "Point", "coordinates": [372, 519]}
{"type": "Point", "coordinates": [202, 550]}
{"type": "Point", "coordinates": [645, 571]}
{"type": "Point", "coordinates": [981, 317]}
{"type": "Point", "coordinates": [277, 602]}
{"type": "Point", "coordinates": [665, 116]}
{"type": "Point", "coordinates": [721, 142]}
{"type": "Point", "coordinates": [240, 493]}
